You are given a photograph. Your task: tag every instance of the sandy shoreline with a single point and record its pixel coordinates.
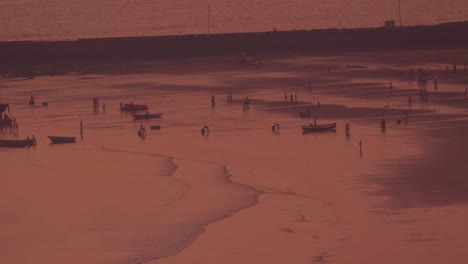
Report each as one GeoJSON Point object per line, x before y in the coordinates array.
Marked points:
{"type": "Point", "coordinates": [411, 213]}
{"type": "Point", "coordinates": [317, 200]}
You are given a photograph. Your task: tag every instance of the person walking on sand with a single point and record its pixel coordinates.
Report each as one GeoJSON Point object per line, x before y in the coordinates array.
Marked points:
{"type": "Point", "coordinates": [213, 100]}
{"type": "Point", "coordinates": [360, 148]}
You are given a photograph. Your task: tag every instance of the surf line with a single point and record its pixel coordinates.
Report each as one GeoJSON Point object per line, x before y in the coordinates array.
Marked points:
{"type": "Point", "coordinates": [202, 228]}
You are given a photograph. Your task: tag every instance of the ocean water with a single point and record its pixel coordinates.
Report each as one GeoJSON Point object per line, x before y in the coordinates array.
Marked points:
{"type": "Point", "coordinates": [72, 19]}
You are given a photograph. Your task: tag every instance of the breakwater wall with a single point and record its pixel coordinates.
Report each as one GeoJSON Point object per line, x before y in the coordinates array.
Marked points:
{"type": "Point", "coordinates": [443, 36]}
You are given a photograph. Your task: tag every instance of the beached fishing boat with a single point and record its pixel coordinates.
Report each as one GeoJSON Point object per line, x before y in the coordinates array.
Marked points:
{"type": "Point", "coordinates": [319, 128]}
{"type": "Point", "coordinates": [17, 143]}
{"type": "Point", "coordinates": [146, 116]}
{"type": "Point", "coordinates": [59, 140]}
{"type": "Point", "coordinates": [131, 107]}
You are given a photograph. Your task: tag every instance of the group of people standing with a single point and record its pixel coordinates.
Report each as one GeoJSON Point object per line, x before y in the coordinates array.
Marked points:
{"type": "Point", "coordinates": [423, 95]}
{"type": "Point", "coordinates": [96, 104]}
{"type": "Point", "coordinates": [292, 97]}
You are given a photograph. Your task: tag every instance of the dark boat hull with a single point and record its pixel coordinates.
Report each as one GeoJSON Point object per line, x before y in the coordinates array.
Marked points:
{"type": "Point", "coordinates": [61, 140]}
{"type": "Point", "coordinates": [146, 116]}
{"type": "Point", "coordinates": [17, 143]}
{"type": "Point", "coordinates": [319, 128]}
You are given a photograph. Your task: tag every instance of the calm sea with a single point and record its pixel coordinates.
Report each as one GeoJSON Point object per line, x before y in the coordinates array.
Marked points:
{"type": "Point", "coordinates": [71, 19]}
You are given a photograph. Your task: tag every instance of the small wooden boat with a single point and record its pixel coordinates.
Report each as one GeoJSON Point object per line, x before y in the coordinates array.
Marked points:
{"type": "Point", "coordinates": [319, 128]}
{"type": "Point", "coordinates": [59, 140]}
{"type": "Point", "coordinates": [146, 116]}
{"type": "Point", "coordinates": [17, 143]}
{"type": "Point", "coordinates": [155, 127]}
{"type": "Point", "coordinates": [131, 107]}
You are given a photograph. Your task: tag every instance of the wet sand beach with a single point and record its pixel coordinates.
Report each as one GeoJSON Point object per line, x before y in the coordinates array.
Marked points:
{"type": "Point", "coordinates": [242, 194]}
